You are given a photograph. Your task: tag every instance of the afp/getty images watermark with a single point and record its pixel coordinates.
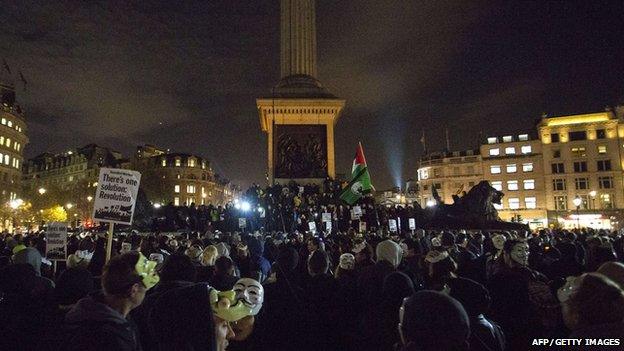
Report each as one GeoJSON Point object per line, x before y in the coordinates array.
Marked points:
{"type": "Point", "coordinates": [576, 342]}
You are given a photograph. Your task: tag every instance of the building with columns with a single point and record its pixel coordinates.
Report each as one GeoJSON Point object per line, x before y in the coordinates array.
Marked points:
{"type": "Point", "coordinates": [299, 115]}
{"type": "Point", "coordinates": [575, 158]}
{"type": "Point", "coordinates": [13, 139]}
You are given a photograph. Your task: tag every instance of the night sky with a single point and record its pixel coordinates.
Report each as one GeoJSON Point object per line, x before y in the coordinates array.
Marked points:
{"type": "Point", "coordinates": [185, 75]}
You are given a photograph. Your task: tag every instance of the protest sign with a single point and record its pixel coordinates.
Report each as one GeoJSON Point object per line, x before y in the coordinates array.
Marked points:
{"type": "Point", "coordinates": [412, 223]}
{"type": "Point", "coordinates": [56, 241]}
{"type": "Point", "coordinates": [116, 195]}
{"type": "Point", "coordinates": [326, 217]}
{"type": "Point", "coordinates": [242, 222]}
{"type": "Point", "coordinates": [312, 226]}
{"type": "Point", "coordinates": [328, 226]}
{"type": "Point", "coordinates": [393, 225]}
{"type": "Point", "coordinates": [362, 227]}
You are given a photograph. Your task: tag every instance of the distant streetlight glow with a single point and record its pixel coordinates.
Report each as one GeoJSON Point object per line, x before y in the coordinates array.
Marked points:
{"type": "Point", "coordinates": [69, 206]}
{"type": "Point", "coordinates": [42, 191]}
{"type": "Point", "coordinates": [14, 204]}
{"type": "Point", "coordinates": [245, 206]}
{"type": "Point", "coordinates": [430, 203]}
{"type": "Point", "coordinates": [592, 193]}
{"type": "Point", "coordinates": [89, 198]}
{"type": "Point", "coordinates": [157, 205]}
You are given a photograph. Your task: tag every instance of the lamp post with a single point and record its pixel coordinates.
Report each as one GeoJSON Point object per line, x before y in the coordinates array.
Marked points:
{"type": "Point", "coordinates": [577, 202]}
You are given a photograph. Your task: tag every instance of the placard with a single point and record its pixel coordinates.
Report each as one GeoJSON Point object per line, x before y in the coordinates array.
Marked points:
{"type": "Point", "coordinates": [312, 226]}
{"type": "Point", "coordinates": [242, 222]}
{"type": "Point", "coordinates": [362, 227]}
{"type": "Point", "coordinates": [56, 241]}
{"type": "Point", "coordinates": [326, 217]}
{"type": "Point", "coordinates": [116, 195]}
{"type": "Point", "coordinates": [358, 211]}
{"type": "Point", "coordinates": [393, 225]}
{"type": "Point", "coordinates": [412, 223]}
{"type": "Point", "coordinates": [328, 226]}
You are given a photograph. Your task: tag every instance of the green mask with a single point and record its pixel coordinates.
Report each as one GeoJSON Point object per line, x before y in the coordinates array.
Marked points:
{"type": "Point", "coordinates": [225, 306]}
{"type": "Point", "coordinates": [147, 270]}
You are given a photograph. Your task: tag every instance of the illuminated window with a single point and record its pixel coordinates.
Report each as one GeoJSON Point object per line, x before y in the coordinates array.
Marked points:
{"type": "Point", "coordinates": [526, 149]}
{"type": "Point", "coordinates": [602, 149]}
{"type": "Point", "coordinates": [561, 202]}
{"type": "Point", "coordinates": [523, 137]}
{"type": "Point", "coordinates": [578, 152]}
{"type": "Point", "coordinates": [512, 168]}
{"type": "Point", "coordinates": [178, 162]}
{"type": "Point", "coordinates": [203, 164]}
{"type": "Point", "coordinates": [190, 200]}
{"type": "Point", "coordinates": [498, 185]}
{"type": "Point", "coordinates": [10, 124]}
{"type": "Point", "coordinates": [163, 162]}
{"type": "Point", "coordinates": [530, 202]}
{"type": "Point", "coordinates": [190, 189]}
{"type": "Point", "coordinates": [191, 162]}
{"type": "Point", "coordinates": [178, 176]}
{"type": "Point", "coordinates": [606, 201]}
{"type": "Point", "coordinates": [176, 201]}
{"type": "Point", "coordinates": [494, 152]}
{"type": "Point", "coordinates": [507, 139]}
{"type": "Point", "coordinates": [559, 184]}
{"type": "Point", "coordinates": [581, 183]}
{"type": "Point", "coordinates": [512, 185]}
{"type": "Point", "coordinates": [8, 142]}
{"type": "Point", "coordinates": [495, 169]}
{"type": "Point", "coordinates": [528, 184]}
{"type": "Point", "coordinates": [4, 121]}
{"type": "Point", "coordinates": [510, 150]}
{"type": "Point", "coordinates": [605, 182]}
{"type": "Point", "coordinates": [176, 188]}
{"type": "Point", "coordinates": [6, 159]}
{"type": "Point", "coordinates": [1, 140]}
{"type": "Point", "coordinates": [514, 203]}
{"type": "Point", "coordinates": [492, 140]}
{"type": "Point", "coordinates": [527, 167]}
{"type": "Point", "coordinates": [70, 178]}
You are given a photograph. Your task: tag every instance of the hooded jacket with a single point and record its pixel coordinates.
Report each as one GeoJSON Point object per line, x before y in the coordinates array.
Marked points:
{"type": "Point", "coordinates": [93, 325]}
{"type": "Point", "coordinates": [257, 262]}
{"type": "Point", "coordinates": [30, 256]}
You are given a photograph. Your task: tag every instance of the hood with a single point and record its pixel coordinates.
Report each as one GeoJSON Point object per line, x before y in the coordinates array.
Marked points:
{"type": "Point", "coordinates": [92, 309]}
{"type": "Point", "coordinates": [29, 256]}
{"type": "Point", "coordinates": [222, 250]}
{"type": "Point", "coordinates": [256, 247]}
{"type": "Point", "coordinates": [389, 251]}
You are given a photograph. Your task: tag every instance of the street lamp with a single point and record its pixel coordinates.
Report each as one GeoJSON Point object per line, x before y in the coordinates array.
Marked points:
{"type": "Point", "coordinates": [89, 198]}
{"type": "Point", "coordinates": [69, 206]}
{"type": "Point", "coordinates": [577, 202]}
{"type": "Point", "coordinates": [42, 191]}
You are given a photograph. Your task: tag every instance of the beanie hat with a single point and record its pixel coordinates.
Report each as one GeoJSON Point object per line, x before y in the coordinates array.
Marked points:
{"type": "Point", "coordinates": [433, 320]}
{"type": "Point", "coordinates": [389, 251]}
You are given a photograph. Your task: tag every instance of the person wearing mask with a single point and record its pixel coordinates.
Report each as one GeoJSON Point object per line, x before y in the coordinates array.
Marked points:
{"type": "Point", "coordinates": [206, 270]}
{"type": "Point", "coordinates": [223, 278]}
{"type": "Point", "coordinates": [100, 321]}
{"type": "Point", "coordinates": [177, 271]}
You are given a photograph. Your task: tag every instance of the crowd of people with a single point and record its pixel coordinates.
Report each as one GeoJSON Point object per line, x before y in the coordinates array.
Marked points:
{"type": "Point", "coordinates": [426, 290]}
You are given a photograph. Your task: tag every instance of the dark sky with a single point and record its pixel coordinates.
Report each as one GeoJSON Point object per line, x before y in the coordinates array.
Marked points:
{"type": "Point", "coordinates": [185, 75]}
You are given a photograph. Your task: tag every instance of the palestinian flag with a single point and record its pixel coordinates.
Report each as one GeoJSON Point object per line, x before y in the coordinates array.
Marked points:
{"type": "Point", "coordinates": [360, 183]}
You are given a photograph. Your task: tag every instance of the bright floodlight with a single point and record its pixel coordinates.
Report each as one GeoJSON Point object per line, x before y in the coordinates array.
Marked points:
{"type": "Point", "coordinates": [577, 201]}
{"type": "Point", "coordinates": [157, 205]}
{"type": "Point", "coordinates": [430, 203]}
{"type": "Point", "coordinates": [237, 205]}
{"type": "Point", "coordinates": [245, 206]}
{"type": "Point", "coordinates": [14, 204]}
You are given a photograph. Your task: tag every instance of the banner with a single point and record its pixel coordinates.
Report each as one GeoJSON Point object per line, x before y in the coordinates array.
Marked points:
{"type": "Point", "coordinates": [326, 217]}
{"type": "Point", "coordinates": [116, 195]}
{"type": "Point", "coordinates": [56, 241]}
{"type": "Point", "coordinates": [393, 225]}
{"type": "Point", "coordinates": [412, 223]}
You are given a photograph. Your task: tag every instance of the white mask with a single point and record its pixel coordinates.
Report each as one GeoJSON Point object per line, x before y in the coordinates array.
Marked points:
{"type": "Point", "coordinates": [251, 293]}
{"type": "Point", "coordinates": [520, 254]}
{"type": "Point", "coordinates": [347, 261]}
{"type": "Point", "coordinates": [125, 247]}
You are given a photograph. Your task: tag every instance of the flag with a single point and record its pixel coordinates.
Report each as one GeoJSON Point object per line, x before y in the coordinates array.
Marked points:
{"type": "Point", "coordinates": [360, 183]}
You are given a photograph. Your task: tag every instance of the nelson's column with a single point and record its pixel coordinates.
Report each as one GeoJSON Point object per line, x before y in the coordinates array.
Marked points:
{"type": "Point", "coordinates": [299, 116]}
